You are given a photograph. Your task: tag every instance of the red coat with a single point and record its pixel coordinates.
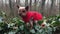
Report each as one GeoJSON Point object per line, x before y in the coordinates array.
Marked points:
{"type": "Point", "coordinates": [32, 14]}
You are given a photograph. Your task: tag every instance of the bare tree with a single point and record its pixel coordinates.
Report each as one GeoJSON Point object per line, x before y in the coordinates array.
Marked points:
{"type": "Point", "coordinates": [39, 7]}
{"type": "Point", "coordinates": [59, 7]}
{"type": "Point", "coordinates": [35, 6]}
{"type": "Point", "coordinates": [2, 5]}
{"type": "Point", "coordinates": [30, 4]}
{"type": "Point", "coordinates": [18, 2]}
{"type": "Point", "coordinates": [42, 5]}
{"type": "Point", "coordinates": [51, 7]}
{"type": "Point", "coordinates": [11, 8]}
{"type": "Point", "coordinates": [26, 2]}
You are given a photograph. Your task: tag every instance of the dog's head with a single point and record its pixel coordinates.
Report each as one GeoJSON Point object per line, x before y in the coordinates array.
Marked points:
{"type": "Point", "coordinates": [22, 10]}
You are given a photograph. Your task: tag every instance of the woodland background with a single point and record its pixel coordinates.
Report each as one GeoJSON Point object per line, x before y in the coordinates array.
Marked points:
{"type": "Point", "coordinates": [46, 7]}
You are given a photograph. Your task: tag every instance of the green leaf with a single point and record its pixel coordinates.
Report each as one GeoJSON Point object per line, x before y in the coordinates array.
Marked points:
{"type": "Point", "coordinates": [32, 31]}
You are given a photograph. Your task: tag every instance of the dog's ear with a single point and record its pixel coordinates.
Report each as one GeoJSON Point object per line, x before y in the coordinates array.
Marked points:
{"type": "Point", "coordinates": [27, 8]}
{"type": "Point", "coordinates": [17, 6]}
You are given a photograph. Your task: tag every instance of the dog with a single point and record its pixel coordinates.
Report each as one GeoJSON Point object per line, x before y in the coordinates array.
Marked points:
{"type": "Point", "coordinates": [28, 16]}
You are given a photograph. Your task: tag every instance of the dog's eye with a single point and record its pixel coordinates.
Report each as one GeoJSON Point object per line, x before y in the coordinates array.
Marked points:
{"type": "Point", "coordinates": [23, 11]}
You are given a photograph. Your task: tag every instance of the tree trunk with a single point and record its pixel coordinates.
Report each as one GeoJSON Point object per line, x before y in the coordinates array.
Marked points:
{"type": "Point", "coordinates": [39, 7]}
{"type": "Point", "coordinates": [26, 2]}
{"type": "Point", "coordinates": [42, 6]}
{"type": "Point", "coordinates": [59, 7]}
{"type": "Point", "coordinates": [52, 1]}
{"type": "Point", "coordinates": [18, 2]}
{"type": "Point", "coordinates": [2, 5]}
{"type": "Point", "coordinates": [30, 4]}
{"type": "Point", "coordinates": [35, 5]}
{"type": "Point", "coordinates": [51, 7]}
{"type": "Point", "coordinates": [11, 8]}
